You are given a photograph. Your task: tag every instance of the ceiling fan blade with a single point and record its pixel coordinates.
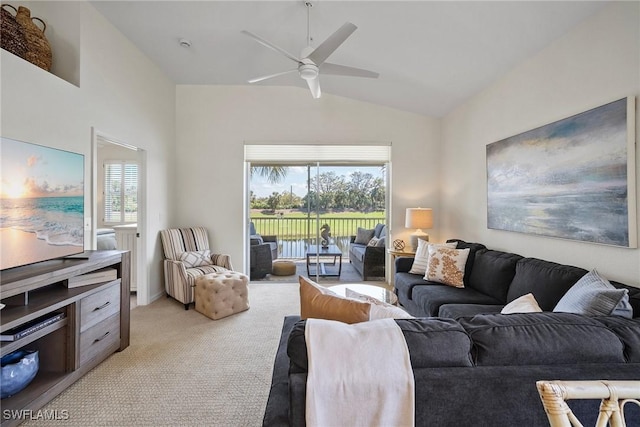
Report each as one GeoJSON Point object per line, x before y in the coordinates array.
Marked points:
{"type": "Point", "coordinates": [322, 52]}
{"type": "Point", "coordinates": [314, 87]}
{"type": "Point", "coordinates": [271, 46]}
{"type": "Point", "coordinates": [259, 79]}
{"type": "Point", "coordinates": [343, 70]}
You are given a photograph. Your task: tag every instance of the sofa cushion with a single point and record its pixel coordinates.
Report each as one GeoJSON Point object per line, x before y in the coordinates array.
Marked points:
{"type": "Point", "coordinates": [456, 311]}
{"type": "Point", "coordinates": [546, 280]}
{"type": "Point", "coordinates": [493, 272]}
{"type": "Point", "coordinates": [433, 295]}
{"type": "Point", "coordinates": [358, 251]}
{"type": "Point", "coordinates": [432, 343]}
{"type": "Point", "coordinates": [473, 248]}
{"type": "Point", "coordinates": [593, 295]}
{"type": "Point", "coordinates": [380, 231]}
{"type": "Point", "coordinates": [541, 339]}
{"type": "Point", "coordinates": [628, 330]}
{"type": "Point", "coordinates": [363, 236]}
{"type": "Point", "coordinates": [447, 265]}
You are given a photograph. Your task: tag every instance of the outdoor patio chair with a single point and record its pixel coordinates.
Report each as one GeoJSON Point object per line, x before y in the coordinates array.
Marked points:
{"type": "Point", "coordinates": [188, 257]}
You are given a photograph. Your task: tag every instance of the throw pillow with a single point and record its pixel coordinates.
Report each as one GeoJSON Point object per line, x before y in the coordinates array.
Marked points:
{"type": "Point", "coordinates": [421, 259]}
{"type": "Point", "coordinates": [196, 258]}
{"type": "Point", "coordinates": [373, 241]}
{"type": "Point", "coordinates": [319, 302]}
{"type": "Point", "coordinates": [593, 295]}
{"type": "Point", "coordinates": [379, 309]}
{"type": "Point", "coordinates": [363, 236]}
{"type": "Point", "coordinates": [382, 242]}
{"type": "Point", "coordinates": [525, 304]}
{"type": "Point", "coordinates": [446, 265]}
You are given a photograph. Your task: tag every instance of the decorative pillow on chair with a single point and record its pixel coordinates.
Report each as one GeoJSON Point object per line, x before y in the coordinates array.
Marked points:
{"type": "Point", "coordinates": [196, 258]}
{"type": "Point", "coordinates": [421, 259]}
{"type": "Point", "coordinates": [373, 241]}
{"type": "Point", "coordinates": [593, 295]}
{"type": "Point", "coordinates": [525, 304]}
{"type": "Point", "coordinates": [446, 265]}
{"type": "Point", "coordinates": [363, 236]}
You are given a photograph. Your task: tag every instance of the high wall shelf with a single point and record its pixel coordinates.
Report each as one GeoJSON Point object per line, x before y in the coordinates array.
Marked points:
{"type": "Point", "coordinates": [95, 325]}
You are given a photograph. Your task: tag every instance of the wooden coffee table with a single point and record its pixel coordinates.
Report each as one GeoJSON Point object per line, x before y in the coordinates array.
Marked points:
{"type": "Point", "coordinates": [376, 292]}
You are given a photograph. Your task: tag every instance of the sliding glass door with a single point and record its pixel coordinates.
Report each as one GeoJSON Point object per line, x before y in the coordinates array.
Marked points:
{"type": "Point", "coordinates": [314, 207]}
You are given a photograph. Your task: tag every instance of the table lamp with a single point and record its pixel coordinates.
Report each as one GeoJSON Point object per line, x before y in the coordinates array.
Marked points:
{"type": "Point", "coordinates": [418, 218]}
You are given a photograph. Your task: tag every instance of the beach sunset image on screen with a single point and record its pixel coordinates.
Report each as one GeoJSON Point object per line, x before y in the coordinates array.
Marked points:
{"type": "Point", "coordinates": [41, 201]}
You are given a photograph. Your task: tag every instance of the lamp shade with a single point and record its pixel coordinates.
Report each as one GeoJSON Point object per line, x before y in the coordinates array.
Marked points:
{"type": "Point", "coordinates": [419, 218]}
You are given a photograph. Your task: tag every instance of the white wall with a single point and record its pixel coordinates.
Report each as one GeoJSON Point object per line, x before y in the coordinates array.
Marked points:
{"type": "Point", "coordinates": [121, 93]}
{"type": "Point", "coordinates": [213, 122]}
{"type": "Point", "coordinates": [597, 62]}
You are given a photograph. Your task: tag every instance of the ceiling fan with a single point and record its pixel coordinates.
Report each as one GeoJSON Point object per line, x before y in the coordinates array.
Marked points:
{"type": "Point", "coordinates": [311, 62]}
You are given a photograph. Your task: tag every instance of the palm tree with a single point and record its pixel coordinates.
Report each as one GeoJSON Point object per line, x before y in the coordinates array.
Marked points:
{"type": "Point", "coordinates": [273, 174]}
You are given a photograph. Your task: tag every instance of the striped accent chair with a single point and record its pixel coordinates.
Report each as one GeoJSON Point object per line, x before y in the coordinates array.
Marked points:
{"type": "Point", "coordinates": [179, 275]}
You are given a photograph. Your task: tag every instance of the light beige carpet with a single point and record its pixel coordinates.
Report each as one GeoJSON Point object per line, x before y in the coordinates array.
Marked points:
{"type": "Point", "coordinates": [183, 369]}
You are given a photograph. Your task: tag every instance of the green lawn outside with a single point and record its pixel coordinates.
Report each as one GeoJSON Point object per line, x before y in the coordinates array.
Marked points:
{"type": "Point", "coordinates": [294, 225]}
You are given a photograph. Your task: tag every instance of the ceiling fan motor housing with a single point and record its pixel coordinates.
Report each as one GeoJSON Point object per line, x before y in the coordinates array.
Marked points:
{"type": "Point", "coordinates": [308, 71]}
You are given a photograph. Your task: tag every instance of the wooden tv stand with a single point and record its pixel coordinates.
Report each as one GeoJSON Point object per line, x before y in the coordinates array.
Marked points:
{"type": "Point", "coordinates": [96, 324]}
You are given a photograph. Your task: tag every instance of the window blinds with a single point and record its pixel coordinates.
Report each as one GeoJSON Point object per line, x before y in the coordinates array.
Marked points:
{"type": "Point", "coordinates": [120, 192]}
{"type": "Point", "coordinates": [283, 154]}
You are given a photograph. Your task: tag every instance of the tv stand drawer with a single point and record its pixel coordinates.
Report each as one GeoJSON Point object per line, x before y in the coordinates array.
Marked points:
{"type": "Point", "coordinates": [97, 339]}
{"type": "Point", "coordinates": [97, 307]}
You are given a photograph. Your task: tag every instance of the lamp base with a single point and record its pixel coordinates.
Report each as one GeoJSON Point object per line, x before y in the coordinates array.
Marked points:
{"type": "Point", "coordinates": [419, 234]}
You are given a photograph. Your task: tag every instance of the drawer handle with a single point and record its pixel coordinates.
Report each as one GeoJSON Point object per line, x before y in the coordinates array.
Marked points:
{"type": "Point", "coordinates": [101, 338]}
{"type": "Point", "coordinates": [102, 306]}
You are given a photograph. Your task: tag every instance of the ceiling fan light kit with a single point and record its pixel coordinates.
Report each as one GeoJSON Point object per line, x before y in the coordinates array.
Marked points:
{"type": "Point", "coordinates": [312, 60]}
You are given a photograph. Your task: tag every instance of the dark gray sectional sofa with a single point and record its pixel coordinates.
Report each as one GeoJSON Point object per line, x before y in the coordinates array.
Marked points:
{"type": "Point", "coordinates": [475, 367]}
{"type": "Point", "coordinates": [492, 280]}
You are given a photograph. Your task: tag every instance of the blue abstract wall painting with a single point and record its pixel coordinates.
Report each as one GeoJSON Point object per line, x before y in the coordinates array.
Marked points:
{"type": "Point", "coordinates": [571, 179]}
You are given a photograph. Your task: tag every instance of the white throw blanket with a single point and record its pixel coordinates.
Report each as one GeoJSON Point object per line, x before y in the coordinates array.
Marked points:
{"type": "Point", "coordinates": [359, 375]}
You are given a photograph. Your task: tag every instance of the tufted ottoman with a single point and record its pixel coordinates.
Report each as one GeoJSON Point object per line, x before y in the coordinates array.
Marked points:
{"type": "Point", "coordinates": [219, 295]}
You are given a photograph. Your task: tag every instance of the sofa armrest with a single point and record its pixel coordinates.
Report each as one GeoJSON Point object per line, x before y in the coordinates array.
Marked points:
{"type": "Point", "coordinates": [374, 254]}
{"type": "Point", "coordinates": [269, 238]}
{"type": "Point", "coordinates": [403, 264]}
{"type": "Point", "coordinates": [223, 260]}
{"type": "Point", "coordinates": [352, 239]}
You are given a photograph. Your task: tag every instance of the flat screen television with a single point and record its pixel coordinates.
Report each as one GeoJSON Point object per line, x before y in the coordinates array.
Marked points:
{"type": "Point", "coordinates": [41, 203]}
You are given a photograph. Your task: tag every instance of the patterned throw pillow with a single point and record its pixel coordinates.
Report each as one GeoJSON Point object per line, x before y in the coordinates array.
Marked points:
{"type": "Point", "coordinates": [593, 295]}
{"type": "Point", "coordinates": [363, 236]}
{"type": "Point", "coordinates": [525, 304]}
{"type": "Point", "coordinates": [421, 260]}
{"type": "Point", "coordinates": [196, 258]}
{"type": "Point", "coordinates": [446, 266]}
{"type": "Point", "coordinates": [373, 241]}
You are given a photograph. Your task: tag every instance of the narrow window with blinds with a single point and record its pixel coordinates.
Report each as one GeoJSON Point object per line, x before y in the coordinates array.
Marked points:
{"type": "Point", "coordinates": [120, 192]}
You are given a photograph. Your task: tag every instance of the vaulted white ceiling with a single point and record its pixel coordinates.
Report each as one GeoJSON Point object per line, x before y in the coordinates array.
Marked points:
{"type": "Point", "coordinates": [431, 55]}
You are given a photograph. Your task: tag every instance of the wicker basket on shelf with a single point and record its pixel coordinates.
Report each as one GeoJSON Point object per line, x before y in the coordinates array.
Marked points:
{"type": "Point", "coordinates": [12, 36]}
{"type": "Point", "coordinates": [38, 47]}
